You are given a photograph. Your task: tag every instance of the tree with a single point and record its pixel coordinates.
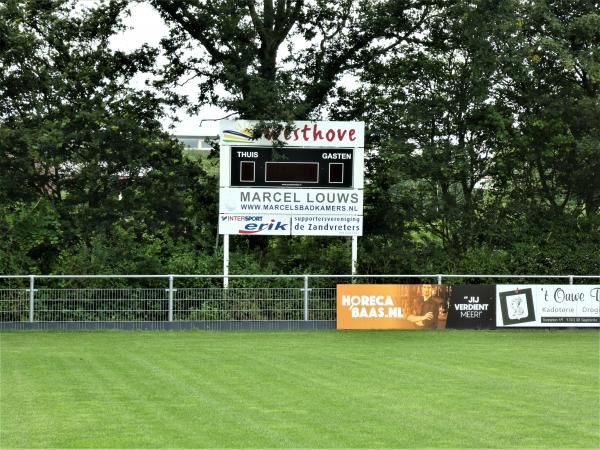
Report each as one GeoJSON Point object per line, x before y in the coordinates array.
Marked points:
{"type": "Point", "coordinates": [483, 130]}
{"type": "Point", "coordinates": [75, 135]}
{"type": "Point", "coordinates": [484, 142]}
{"type": "Point", "coordinates": [555, 89]}
{"type": "Point", "coordinates": [437, 121]}
{"type": "Point", "coordinates": [29, 232]}
{"type": "Point", "coordinates": [280, 59]}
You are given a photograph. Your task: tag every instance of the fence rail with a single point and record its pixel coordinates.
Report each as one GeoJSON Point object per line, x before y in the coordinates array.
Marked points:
{"type": "Point", "coordinates": [178, 298]}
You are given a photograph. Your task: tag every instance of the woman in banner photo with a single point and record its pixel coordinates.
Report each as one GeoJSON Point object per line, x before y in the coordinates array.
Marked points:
{"type": "Point", "coordinates": [430, 307]}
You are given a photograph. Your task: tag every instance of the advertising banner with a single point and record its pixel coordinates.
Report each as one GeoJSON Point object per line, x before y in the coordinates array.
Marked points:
{"type": "Point", "coordinates": [302, 134]}
{"type": "Point", "coordinates": [548, 305]}
{"type": "Point", "coordinates": [472, 306]}
{"type": "Point", "coordinates": [327, 225]}
{"type": "Point", "coordinates": [291, 201]}
{"type": "Point", "coordinates": [254, 224]}
{"type": "Point", "coordinates": [391, 306]}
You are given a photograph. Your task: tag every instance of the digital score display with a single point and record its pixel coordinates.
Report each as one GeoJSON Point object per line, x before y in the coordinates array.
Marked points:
{"type": "Point", "coordinates": [291, 167]}
{"type": "Point", "coordinates": [291, 172]}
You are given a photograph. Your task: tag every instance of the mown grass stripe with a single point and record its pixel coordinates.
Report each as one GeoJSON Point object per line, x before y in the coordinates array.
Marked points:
{"type": "Point", "coordinates": [501, 389]}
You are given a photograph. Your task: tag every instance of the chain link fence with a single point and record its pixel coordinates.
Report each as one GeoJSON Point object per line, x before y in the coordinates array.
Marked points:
{"type": "Point", "coordinates": [103, 299]}
{"type": "Point", "coordinates": [183, 298]}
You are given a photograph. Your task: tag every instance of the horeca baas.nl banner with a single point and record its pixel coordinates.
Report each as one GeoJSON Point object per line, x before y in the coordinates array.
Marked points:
{"type": "Point", "coordinates": [391, 306]}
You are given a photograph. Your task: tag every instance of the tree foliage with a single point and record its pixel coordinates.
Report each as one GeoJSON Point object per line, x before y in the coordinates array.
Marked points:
{"type": "Point", "coordinates": [485, 141]}
{"type": "Point", "coordinates": [483, 123]}
{"type": "Point", "coordinates": [254, 49]}
{"type": "Point", "coordinates": [74, 135]}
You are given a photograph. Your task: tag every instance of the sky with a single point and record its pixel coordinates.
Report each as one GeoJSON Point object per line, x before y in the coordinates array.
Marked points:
{"type": "Point", "coordinates": [146, 26]}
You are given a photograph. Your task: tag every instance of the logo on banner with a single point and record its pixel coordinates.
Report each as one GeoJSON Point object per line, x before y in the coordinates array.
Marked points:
{"type": "Point", "coordinates": [243, 135]}
{"type": "Point", "coordinates": [257, 227]}
{"type": "Point", "coordinates": [299, 133]}
{"type": "Point", "coordinates": [371, 306]}
{"type": "Point", "coordinates": [314, 131]}
{"type": "Point", "coordinates": [254, 224]}
{"type": "Point", "coordinates": [517, 306]}
{"type": "Point", "coordinates": [232, 218]}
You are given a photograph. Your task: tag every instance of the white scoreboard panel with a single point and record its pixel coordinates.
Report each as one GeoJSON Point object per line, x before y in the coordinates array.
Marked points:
{"type": "Point", "coordinates": [312, 185]}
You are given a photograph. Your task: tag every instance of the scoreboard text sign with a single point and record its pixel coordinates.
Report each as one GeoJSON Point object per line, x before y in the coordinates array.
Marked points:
{"type": "Point", "coordinates": [312, 185]}
{"type": "Point", "coordinates": [291, 201]}
{"type": "Point", "coordinates": [325, 134]}
{"type": "Point", "coordinates": [316, 225]}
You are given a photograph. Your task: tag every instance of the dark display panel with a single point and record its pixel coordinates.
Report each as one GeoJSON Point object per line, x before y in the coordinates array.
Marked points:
{"type": "Point", "coordinates": [247, 171]}
{"type": "Point", "coordinates": [472, 306]}
{"type": "Point", "coordinates": [291, 172]}
{"type": "Point", "coordinates": [336, 173]}
{"type": "Point", "coordinates": [293, 167]}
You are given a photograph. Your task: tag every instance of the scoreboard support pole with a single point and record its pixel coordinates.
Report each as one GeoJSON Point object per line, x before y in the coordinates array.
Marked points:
{"type": "Point", "coordinates": [354, 254]}
{"type": "Point", "coordinates": [354, 262]}
{"type": "Point", "coordinates": [225, 261]}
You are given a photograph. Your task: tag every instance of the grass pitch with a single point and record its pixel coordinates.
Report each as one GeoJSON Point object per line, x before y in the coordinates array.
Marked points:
{"type": "Point", "coordinates": [400, 389]}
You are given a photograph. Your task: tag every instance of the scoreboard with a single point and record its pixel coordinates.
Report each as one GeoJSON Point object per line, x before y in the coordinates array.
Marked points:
{"type": "Point", "coordinates": [310, 185]}
{"type": "Point", "coordinates": [291, 167]}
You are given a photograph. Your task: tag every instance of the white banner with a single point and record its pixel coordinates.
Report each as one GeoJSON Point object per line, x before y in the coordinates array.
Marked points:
{"type": "Point", "coordinates": [302, 134]}
{"type": "Point", "coordinates": [547, 305]}
{"type": "Point", "coordinates": [267, 224]}
{"type": "Point", "coordinates": [315, 225]}
{"type": "Point", "coordinates": [291, 201]}
{"type": "Point", "coordinates": [254, 224]}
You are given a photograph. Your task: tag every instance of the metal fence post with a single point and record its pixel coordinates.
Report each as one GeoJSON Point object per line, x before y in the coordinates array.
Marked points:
{"type": "Point", "coordinates": [305, 298]}
{"type": "Point", "coordinates": [439, 278]}
{"type": "Point", "coordinates": [31, 294]}
{"type": "Point", "coordinates": [170, 298]}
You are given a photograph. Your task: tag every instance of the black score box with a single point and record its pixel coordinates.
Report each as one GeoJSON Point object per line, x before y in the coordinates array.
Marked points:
{"type": "Point", "coordinates": [292, 167]}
